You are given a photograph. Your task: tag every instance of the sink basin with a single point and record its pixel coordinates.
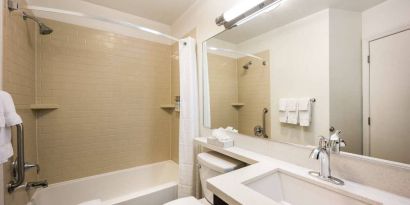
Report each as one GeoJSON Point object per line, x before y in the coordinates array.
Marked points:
{"type": "Point", "coordinates": [290, 189]}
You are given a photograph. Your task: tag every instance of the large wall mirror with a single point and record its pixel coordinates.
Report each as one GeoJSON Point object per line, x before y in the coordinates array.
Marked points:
{"type": "Point", "coordinates": [302, 70]}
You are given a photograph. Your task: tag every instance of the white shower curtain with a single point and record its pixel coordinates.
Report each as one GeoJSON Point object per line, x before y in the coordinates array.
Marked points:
{"type": "Point", "coordinates": [189, 116]}
{"type": "Point", "coordinates": [207, 101]}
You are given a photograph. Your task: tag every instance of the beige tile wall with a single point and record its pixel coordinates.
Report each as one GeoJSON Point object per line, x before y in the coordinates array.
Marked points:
{"type": "Point", "coordinates": [254, 92]}
{"type": "Point", "coordinates": [230, 83]}
{"type": "Point", "coordinates": [223, 90]}
{"type": "Point", "coordinates": [19, 81]}
{"type": "Point", "coordinates": [110, 88]}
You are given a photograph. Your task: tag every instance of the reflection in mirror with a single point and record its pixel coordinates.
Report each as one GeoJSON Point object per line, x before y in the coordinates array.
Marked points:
{"type": "Point", "coordinates": [233, 78]}
{"type": "Point", "coordinates": [260, 77]}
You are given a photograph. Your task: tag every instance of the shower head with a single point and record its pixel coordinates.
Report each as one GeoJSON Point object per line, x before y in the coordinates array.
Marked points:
{"type": "Point", "coordinates": [246, 66]}
{"type": "Point", "coordinates": [44, 29]}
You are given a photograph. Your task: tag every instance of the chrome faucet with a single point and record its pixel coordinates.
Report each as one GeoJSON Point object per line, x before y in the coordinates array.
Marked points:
{"type": "Point", "coordinates": [35, 185]}
{"type": "Point", "coordinates": [322, 153]}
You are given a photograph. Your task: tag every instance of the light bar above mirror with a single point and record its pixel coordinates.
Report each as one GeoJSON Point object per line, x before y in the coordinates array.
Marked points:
{"type": "Point", "coordinates": [245, 11]}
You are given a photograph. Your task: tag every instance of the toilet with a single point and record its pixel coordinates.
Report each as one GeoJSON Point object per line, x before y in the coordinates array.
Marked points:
{"type": "Point", "coordinates": [211, 164]}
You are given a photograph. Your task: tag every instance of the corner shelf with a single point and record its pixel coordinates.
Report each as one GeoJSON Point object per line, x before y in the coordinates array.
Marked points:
{"type": "Point", "coordinates": [44, 106]}
{"type": "Point", "coordinates": [237, 105]}
{"type": "Point", "coordinates": [168, 107]}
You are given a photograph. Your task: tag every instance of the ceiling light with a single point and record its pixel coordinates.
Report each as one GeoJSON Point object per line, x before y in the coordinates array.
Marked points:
{"type": "Point", "coordinates": [246, 11]}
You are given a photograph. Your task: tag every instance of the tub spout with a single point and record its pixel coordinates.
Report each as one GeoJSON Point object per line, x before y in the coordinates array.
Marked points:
{"type": "Point", "coordinates": [37, 184]}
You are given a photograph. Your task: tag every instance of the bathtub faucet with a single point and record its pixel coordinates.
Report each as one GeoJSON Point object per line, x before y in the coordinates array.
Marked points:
{"type": "Point", "coordinates": [35, 185]}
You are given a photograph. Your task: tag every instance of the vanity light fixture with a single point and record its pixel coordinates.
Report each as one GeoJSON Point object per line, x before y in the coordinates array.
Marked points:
{"type": "Point", "coordinates": [245, 11]}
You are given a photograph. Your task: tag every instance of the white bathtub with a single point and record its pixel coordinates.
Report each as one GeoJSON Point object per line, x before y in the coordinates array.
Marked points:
{"type": "Point", "coordinates": [152, 184]}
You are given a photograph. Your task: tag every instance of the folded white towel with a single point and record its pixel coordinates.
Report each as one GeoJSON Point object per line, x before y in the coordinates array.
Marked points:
{"type": "Point", "coordinates": [292, 111]}
{"type": "Point", "coordinates": [283, 115]}
{"type": "Point", "coordinates": [6, 149]}
{"type": "Point", "coordinates": [221, 134]}
{"type": "Point", "coordinates": [304, 109]}
{"type": "Point", "coordinates": [231, 129]}
{"type": "Point", "coordinates": [92, 202]}
{"type": "Point", "coordinates": [8, 118]}
{"type": "Point", "coordinates": [11, 117]}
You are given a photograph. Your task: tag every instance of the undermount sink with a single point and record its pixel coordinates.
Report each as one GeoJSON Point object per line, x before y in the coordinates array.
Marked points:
{"type": "Point", "coordinates": [289, 189]}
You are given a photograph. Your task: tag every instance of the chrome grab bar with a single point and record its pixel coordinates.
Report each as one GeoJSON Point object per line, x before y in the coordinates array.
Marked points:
{"type": "Point", "coordinates": [265, 111]}
{"type": "Point", "coordinates": [18, 164]}
{"type": "Point", "coordinates": [260, 131]}
{"type": "Point", "coordinates": [19, 167]}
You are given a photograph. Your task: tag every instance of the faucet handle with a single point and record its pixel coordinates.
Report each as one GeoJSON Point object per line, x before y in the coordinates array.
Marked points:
{"type": "Point", "coordinates": [35, 185]}
{"type": "Point", "coordinates": [336, 142]}
{"type": "Point", "coordinates": [342, 143]}
{"type": "Point", "coordinates": [28, 166]}
{"type": "Point", "coordinates": [322, 142]}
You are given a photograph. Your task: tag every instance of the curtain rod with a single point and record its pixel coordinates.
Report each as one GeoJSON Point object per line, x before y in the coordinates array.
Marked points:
{"type": "Point", "coordinates": [123, 23]}
{"type": "Point", "coordinates": [235, 52]}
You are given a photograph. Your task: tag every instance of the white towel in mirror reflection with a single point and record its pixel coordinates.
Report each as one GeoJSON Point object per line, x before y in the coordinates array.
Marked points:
{"type": "Point", "coordinates": [304, 109]}
{"type": "Point", "coordinates": [295, 111]}
{"type": "Point", "coordinates": [292, 110]}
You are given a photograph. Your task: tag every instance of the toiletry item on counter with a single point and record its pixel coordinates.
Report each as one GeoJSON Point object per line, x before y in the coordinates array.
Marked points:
{"type": "Point", "coordinates": [222, 137]}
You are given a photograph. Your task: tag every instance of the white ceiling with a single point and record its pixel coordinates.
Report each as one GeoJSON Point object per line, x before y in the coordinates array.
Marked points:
{"type": "Point", "coordinates": [289, 11]}
{"type": "Point", "coordinates": [164, 11]}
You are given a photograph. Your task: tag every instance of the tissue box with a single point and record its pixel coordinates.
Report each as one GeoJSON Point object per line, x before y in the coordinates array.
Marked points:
{"type": "Point", "coordinates": [218, 143]}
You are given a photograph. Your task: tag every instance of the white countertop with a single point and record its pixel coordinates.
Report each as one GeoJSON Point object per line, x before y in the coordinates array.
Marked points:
{"type": "Point", "coordinates": [230, 187]}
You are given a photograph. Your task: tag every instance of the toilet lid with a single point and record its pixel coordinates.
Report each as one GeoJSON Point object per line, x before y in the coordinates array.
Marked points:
{"type": "Point", "coordinates": [218, 162]}
{"type": "Point", "coordinates": [185, 201]}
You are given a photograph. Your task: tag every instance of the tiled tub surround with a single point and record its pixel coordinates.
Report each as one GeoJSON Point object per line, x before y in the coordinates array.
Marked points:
{"type": "Point", "coordinates": [231, 83]}
{"type": "Point", "coordinates": [109, 88]}
{"type": "Point", "coordinates": [232, 189]}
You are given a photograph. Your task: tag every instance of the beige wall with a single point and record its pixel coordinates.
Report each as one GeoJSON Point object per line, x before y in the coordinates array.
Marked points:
{"type": "Point", "coordinates": [345, 78]}
{"type": "Point", "coordinates": [110, 88]}
{"type": "Point", "coordinates": [254, 92]}
{"type": "Point", "coordinates": [223, 90]}
{"type": "Point", "coordinates": [19, 81]}
{"type": "Point", "coordinates": [299, 63]}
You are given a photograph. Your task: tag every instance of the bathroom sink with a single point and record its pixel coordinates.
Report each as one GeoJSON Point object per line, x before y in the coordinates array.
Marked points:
{"type": "Point", "coordinates": [289, 189]}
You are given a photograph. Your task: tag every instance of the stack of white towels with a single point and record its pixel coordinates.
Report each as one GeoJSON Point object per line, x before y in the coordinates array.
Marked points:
{"type": "Point", "coordinates": [222, 137]}
{"type": "Point", "coordinates": [295, 111]}
{"type": "Point", "coordinates": [8, 118]}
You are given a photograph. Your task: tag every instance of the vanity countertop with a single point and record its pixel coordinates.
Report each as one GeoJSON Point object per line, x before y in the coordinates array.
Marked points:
{"type": "Point", "coordinates": [231, 188]}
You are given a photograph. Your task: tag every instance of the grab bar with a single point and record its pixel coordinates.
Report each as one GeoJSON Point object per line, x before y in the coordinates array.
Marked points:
{"type": "Point", "coordinates": [265, 111]}
{"type": "Point", "coordinates": [260, 131]}
{"type": "Point", "coordinates": [19, 167]}
{"type": "Point", "coordinates": [18, 164]}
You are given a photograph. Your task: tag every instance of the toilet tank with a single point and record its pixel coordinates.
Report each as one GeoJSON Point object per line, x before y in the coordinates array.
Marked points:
{"type": "Point", "coordinates": [213, 164]}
